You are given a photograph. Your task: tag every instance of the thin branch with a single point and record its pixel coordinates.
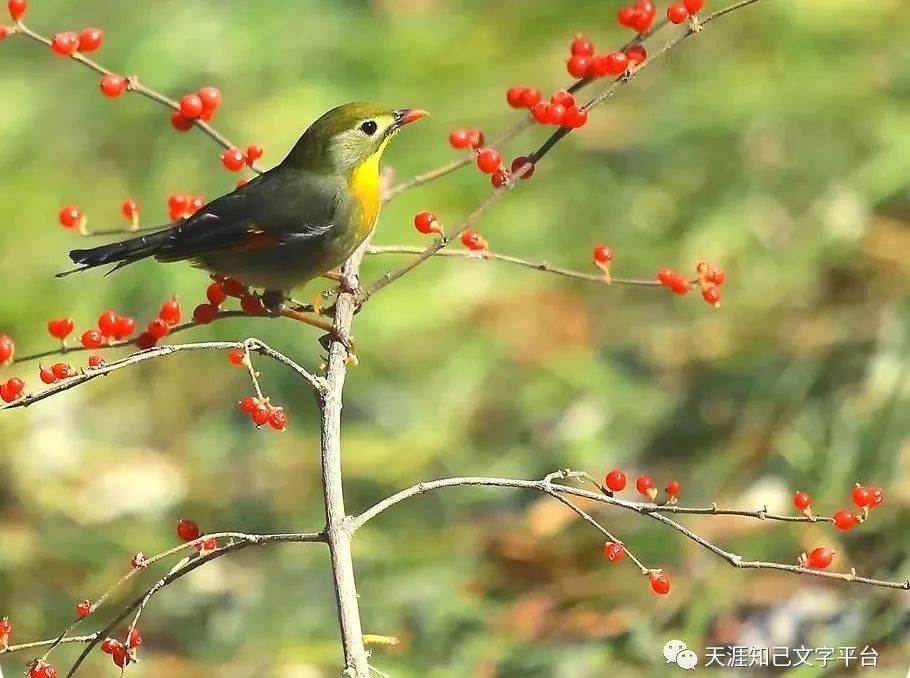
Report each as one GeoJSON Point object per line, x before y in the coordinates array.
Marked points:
{"type": "Point", "coordinates": [89, 374]}
{"type": "Point", "coordinates": [50, 641]}
{"type": "Point", "coordinates": [652, 511]}
{"type": "Point", "coordinates": [134, 86]}
{"type": "Point", "coordinates": [443, 241]}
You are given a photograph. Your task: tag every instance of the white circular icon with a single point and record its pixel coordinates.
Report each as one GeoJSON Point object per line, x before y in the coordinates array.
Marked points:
{"type": "Point", "coordinates": [687, 660]}
{"type": "Point", "coordinates": [672, 650]}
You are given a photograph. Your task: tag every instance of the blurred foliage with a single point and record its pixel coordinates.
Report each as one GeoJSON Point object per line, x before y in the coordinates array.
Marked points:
{"type": "Point", "coordinates": [776, 145]}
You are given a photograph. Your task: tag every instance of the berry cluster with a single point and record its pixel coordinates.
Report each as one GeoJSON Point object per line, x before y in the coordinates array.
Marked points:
{"type": "Point", "coordinates": [181, 206]}
{"type": "Point", "coordinates": [122, 653]}
{"type": "Point", "coordinates": [41, 669]}
{"type": "Point", "coordinates": [70, 42]}
{"type": "Point", "coordinates": [262, 412]}
{"type": "Point", "coordinates": [584, 63]}
{"type": "Point", "coordinates": [6, 630]}
{"type": "Point", "coordinates": [200, 105]}
{"type": "Point", "coordinates": [560, 111]}
{"type": "Point", "coordinates": [188, 531]}
{"type": "Point", "coordinates": [216, 294]}
{"type": "Point", "coordinates": [234, 159]}
{"type": "Point", "coordinates": [426, 223]}
{"type": "Point", "coordinates": [678, 12]}
{"type": "Point", "coordinates": [638, 16]}
{"type": "Point", "coordinates": [603, 257]}
{"type": "Point", "coordinates": [71, 217]}
{"type": "Point", "coordinates": [709, 277]}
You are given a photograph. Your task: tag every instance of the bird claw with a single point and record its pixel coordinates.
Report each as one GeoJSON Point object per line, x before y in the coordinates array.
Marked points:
{"type": "Point", "coordinates": [344, 339]}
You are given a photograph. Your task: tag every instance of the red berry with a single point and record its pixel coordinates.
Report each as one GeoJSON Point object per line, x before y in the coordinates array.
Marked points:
{"type": "Point", "coordinates": [107, 323]}
{"type": "Point", "coordinates": [60, 328]}
{"type": "Point", "coordinates": [862, 496]}
{"type": "Point", "coordinates": [488, 160]}
{"type": "Point", "coordinates": [146, 340]}
{"type": "Point", "coordinates": [677, 13]}
{"type": "Point", "coordinates": [209, 544]}
{"type": "Point", "coordinates": [95, 361]}
{"type": "Point", "coordinates": [540, 112]}
{"type": "Point", "coordinates": [215, 294]}
{"type": "Point", "coordinates": [90, 39]}
{"type": "Point", "coordinates": [236, 357]}
{"type": "Point", "coordinates": [211, 98]}
{"type": "Point", "coordinates": [6, 630]}
{"type": "Point", "coordinates": [473, 241]}
{"type": "Point", "coordinates": [42, 669]}
{"type": "Point", "coordinates": [820, 557]}
{"type": "Point", "coordinates": [187, 530]}
{"type": "Point", "coordinates": [563, 97]}
{"type": "Point", "coordinates": [177, 205]}
{"type": "Point", "coordinates": [120, 655]}
{"type": "Point", "coordinates": [113, 85]}
{"type": "Point", "coordinates": [46, 374]}
{"type": "Point", "coordinates": [614, 551]}
{"type": "Point", "coordinates": [556, 113]}
{"type": "Point", "coordinates": [7, 348]}
{"type": "Point", "coordinates": [233, 159]}
{"type": "Point", "coordinates": [642, 21]}
{"type": "Point", "coordinates": [575, 117]}
{"type": "Point", "coordinates": [426, 222]}
{"type": "Point", "coordinates": [260, 415]}
{"type": "Point", "coordinates": [615, 480]}
{"type": "Point", "coordinates": [62, 370]}
{"type": "Point", "coordinates": [196, 203]}
{"type": "Point", "coordinates": [711, 295]}
{"type": "Point", "coordinates": [278, 420]}
{"type": "Point", "coordinates": [108, 645]}
{"type": "Point", "coordinates": [70, 217]}
{"type": "Point", "coordinates": [459, 138]}
{"type": "Point", "coordinates": [134, 639]}
{"type": "Point", "coordinates": [170, 312]}
{"type": "Point", "coordinates": [603, 255]}
{"type": "Point", "coordinates": [636, 54]}
{"type": "Point", "coordinates": [65, 44]}
{"type": "Point", "coordinates": [130, 209]}
{"type": "Point", "coordinates": [205, 313]}
{"type": "Point", "coordinates": [499, 178]}
{"type": "Point", "coordinates": [83, 609]}
{"type": "Point", "coordinates": [520, 162]}
{"type": "Point", "coordinates": [92, 339]}
{"type": "Point", "coordinates": [5, 32]}
{"type": "Point", "coordinates": [251, 305]}
{"type": "Point", "coordinates": [582, 45]}
{"type": "Point", "coordinates": [11, 389]}
{"type": "Point", "coordinates": [716, 277]}
{"type": "Point", "coordinates": [694, 6]}
{"type": "Point", "coordinates": [645, 485]}
{"type": "Point", "coordinates": [577, 65]}
{"type": "Point", "coordinates": [844, 519]}
{"type": "Point", "coordinates": [614, 63]}
{"type": "Point", "coordinates": [249, 404]}
{"type": "Point", "coordinates": [801, 501]}
{"type": "Point", "coordinates": [878, 496]}
{"type": "Point", "coordinates": [660, 584]}
{"type": "Point", "coordinates": [515, 97]}
{"type": "Point", "coordinates": [190, 106]}
{"type": "Point", "coordinates": [125, 327]}
{"type": "Point", "coordinates": [253, 153]}
{"type": "Point", "coordinates": [530, 97]}
{"type": "Point", "coordinates": [17, 8]}
{"type": "Point", "coordinates": [673, 488]}
{"type": "Point", "coordinates": [234, 288]}
{"type": "Point", "coordinates": [475, 138]}
{"type": "Point", "coordinates": [138, 561]}
{"type": "Point", "coordinates": [625, 16]}
{"type": "Point", "coordinates": [180, 122]}
{"type": "Point", "coordinates": [158, 328]}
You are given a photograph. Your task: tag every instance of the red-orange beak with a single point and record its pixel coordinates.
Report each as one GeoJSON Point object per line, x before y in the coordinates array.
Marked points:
{"type": "Point", "coordinates": [405, 116]}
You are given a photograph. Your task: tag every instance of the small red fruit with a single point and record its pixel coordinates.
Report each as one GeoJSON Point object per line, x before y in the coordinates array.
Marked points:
{"type": "Point", "coordinates": [488, 160]}
{"type": "Point", "coordinates": [125, 327]}
{"type": "Point", "coordinates": [711, 295]}
{"type": "Point", "coordinates": [260, 415]}
{"type": "Point", "coordinates": [233, 159]}
{"type": "Point", "coordinates": [92, 339]}
{"type": "Point", "coordinates": [11, 389]}
{"type": "Point", "coordinates": [636, 54]}
{"type": "Point", "coordinates": [582, 45]}
{"type": "Point", "coordinates": [236, 357]}
{"type": "Point", "coordinates": [90, 39]}
{"type": "Point", "coordinates": [862, 496]}
{"type": "Point", "coordinates": [170, 312]}
{"type": "Point", "coordinates": [878, 496]}
{"type": "Point", "coordinates": [215, 294]}
{"type": "Point", "coordinates": [177, 205]}
{"type": "Point", "coordinates": [613, 63]}
{"type": "Point", "coordinates": [515, 97]}
{"type": "Point", "coordinates": [62, 370]}
{"type": "Point", "coordinates": [253, 153]}
{"type": "Point", "coordinates": [820, 557]}
{"type": "Point", "coordinates": [249, 404]}
{"type": "Point", "coordinates": [577, 65]}
{"type": "Point", "coordinates": [107, 323]}
{"type": "Point", "coordinates": [83, 609]}
{"type": "Point", "coordinates": [108, 645]}
{"type": "Point", "coordinates": [46, 374]}
{"type": "Point", "coordinates": [615, 480]}
{"type": "Point", "coordinates": [60, 328]}
{"type": "Point", "coordinates": [844, 519]}
{"type": "Point", "coordinates": [475, 138]}
{"type": "Point", "coordinates": [17, 8]}
{"type": "Point", "coordinates": [660, 584]}
{"type": "Point", "coordinates": [614, 551]}
{"type": "Point", "coordinates": [6, 630]}
{"type": "Point", "coordinates": [95, 361]}
{"type": "Point", "coordinates": [473, 241]}
{"type": "Point", "coordinates": [138, 561]}
{"type": "Point", "coordinates": [120, 655]}
{"type": "Point", "coordinates": [427, 222]}
{"type": "Point", "coordinates": [205, 313]}
{"type": "Point", "coordinates": [645, 486]}
{"type": "Point", "coordinates": [694, 6]}
{"type": "Point", "coordinates": [556, 114]}
{"type": "Point", "coordinates": [42, 669]}
{"type": "Point", "coordinates": [603, 255]}
{"type": "Point", "coordinates": [211, 98]}
{"type": "Point", "coordinates": [134, 639]}
{"type": "Point", "coordinates": [180, 122]}
{"type": "Point", "coordinates": [575, 117]}
{"type": "Point", "coordinates": [146, 340]}
{"type": "Point", "coordinates": [563, 97]}
{"type": "Point", "coordinates": [278, 420]}
{"type": "Point", "coordinates": [113, 85]}
{"type": "Point", "coordinates": [251, 305]}
{"type": "Point", "coordinates": [499, 178]}
{"type": "Point", "coordinates": [801, 501]}
{"type": "Point", "coordinates": [459, 138]}
{"type": "Point", "coordinates": [673, 488]}
{"type": "Point", "coordinates": [65, 44]}
{"type": "Point", "coordinates": [130, 209]}
{"type": "Point", "coordinates": [158, 328]}
{"type": "Point", "coordinates": [187, 530]}
{"type": "Point", "coordinates": [234, 288]}
{"type": "Point", "coordinates": [7, 349]}
{"type": "Point", "coordinates": [190, 106]}
{"type": "Point", "coordinates": [677, 13]}
{"type": "Point", "coordinates": [520, 162]}
{"type": "Point", "coordinates": [530, 97]}
{"type": "Point", "coordinates": [70, 217]}
{"type": "Point", "coordinates": [540, 112]}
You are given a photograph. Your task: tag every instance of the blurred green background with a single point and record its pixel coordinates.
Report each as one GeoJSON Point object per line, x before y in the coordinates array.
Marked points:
{"type": "Point", "coordinates": [775, 145]}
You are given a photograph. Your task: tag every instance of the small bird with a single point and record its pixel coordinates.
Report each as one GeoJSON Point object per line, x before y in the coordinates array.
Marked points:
{"type": "Point", "coordinates": [297, 221]}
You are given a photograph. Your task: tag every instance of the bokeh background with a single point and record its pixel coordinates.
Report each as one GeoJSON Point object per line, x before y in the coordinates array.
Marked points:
{"type": "Point", "coordinates": [776, 145]}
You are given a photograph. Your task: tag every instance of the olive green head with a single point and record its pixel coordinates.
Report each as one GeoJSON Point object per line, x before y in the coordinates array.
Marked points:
{"type": "Point", "coordinates": [347, 136]}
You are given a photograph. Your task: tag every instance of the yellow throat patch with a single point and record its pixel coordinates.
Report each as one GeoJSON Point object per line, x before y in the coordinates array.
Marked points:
{"type": "Point", "coordinates": [365, 186]}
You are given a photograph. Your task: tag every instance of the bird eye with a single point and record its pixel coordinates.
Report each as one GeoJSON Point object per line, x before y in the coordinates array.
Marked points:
{"type": "Point", "coordinates": [368, 128]}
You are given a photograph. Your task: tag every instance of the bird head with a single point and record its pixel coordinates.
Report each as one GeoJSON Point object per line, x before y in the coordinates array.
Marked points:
{"type": "Point", "coordinates": [348, 136]}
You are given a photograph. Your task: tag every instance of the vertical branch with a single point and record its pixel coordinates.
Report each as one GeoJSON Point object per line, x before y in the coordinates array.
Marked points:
{"type": "Point", "coordinates": [338, 526]}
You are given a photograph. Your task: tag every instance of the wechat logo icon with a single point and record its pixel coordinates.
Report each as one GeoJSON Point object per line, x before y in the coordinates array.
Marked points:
{"type": "Point", "coordinates": [676, 652]}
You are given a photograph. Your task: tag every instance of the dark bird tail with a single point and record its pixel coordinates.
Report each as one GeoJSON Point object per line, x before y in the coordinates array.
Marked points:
{"type": "Point", "coordinates": [120, 253]}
